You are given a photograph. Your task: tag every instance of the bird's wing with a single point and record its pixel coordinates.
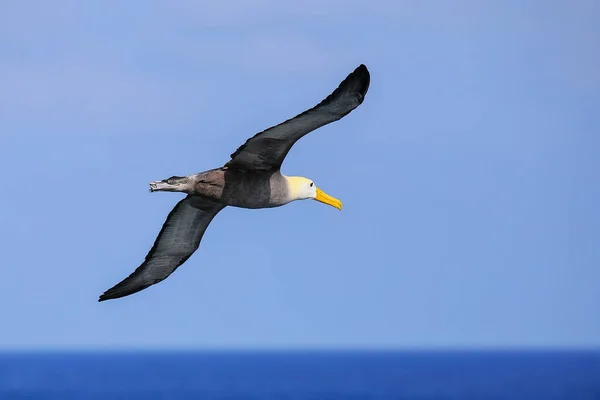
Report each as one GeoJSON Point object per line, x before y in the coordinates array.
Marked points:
{"type": "Point", "coordinates": [267, 149]}
{"type": "Point", "coordinates": [178, 239]}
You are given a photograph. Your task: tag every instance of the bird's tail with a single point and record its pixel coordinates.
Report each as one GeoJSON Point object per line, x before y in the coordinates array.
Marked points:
{"type": "Point", "coordinates": [172, 184]}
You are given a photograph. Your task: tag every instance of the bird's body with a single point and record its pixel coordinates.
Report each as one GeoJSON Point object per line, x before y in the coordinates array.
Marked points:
{"type": "Point", "coordinates": [233, 187]}
{"type": "Point", "coordinates": [251, 179]}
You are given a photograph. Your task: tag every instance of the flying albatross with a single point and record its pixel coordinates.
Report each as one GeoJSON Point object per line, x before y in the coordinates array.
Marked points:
{"type": "Point", "coordinates": [251, 179]}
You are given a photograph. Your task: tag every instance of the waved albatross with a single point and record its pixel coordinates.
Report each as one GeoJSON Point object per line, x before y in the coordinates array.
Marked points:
{"type": "Point", "coordinates": [251, 179]}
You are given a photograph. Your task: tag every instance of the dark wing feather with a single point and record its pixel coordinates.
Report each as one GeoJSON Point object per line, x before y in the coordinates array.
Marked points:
{"type": "Point", "coordinates": [178, 239]}
{"type": "Point", "coordinates": [266, 150]}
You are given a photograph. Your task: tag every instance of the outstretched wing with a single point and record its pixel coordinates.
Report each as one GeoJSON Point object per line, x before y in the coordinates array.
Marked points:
{"type": "Point", "coordinates": [178, 239]}
{"type": "Point", "coordinates": [267, 149]}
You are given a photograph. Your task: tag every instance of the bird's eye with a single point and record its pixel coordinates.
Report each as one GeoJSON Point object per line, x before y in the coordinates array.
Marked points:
{"type": "Point", "coordinates": [311, 184]}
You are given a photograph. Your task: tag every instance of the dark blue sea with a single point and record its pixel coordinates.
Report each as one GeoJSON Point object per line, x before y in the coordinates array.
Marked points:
{"type": "Point", "coordinates": [296, 375]}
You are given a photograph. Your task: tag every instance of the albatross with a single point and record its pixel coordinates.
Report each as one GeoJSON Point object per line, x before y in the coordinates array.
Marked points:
{"type": "Point", "coordinates": [250, 179]}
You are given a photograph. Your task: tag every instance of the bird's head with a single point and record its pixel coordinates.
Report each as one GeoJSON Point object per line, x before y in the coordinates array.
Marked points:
{"type": "Point", "coordinates": [300, 188]}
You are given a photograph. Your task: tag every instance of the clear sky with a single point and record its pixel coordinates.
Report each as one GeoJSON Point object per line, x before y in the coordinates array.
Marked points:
{"type": "Point", "coordinates": [469, 175]}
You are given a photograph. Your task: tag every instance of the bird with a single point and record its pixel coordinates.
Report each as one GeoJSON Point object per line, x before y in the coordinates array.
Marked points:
{"type": "Point", "coordinates": [251, 179]}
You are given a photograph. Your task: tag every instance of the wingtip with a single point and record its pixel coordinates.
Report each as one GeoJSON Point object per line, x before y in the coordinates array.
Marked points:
{"type": "Point", "coordinates": [111, 295]}
{"type": "Point", "coordinates": [362, 67]}
{"type": "Point", "coordinates": [126, 287]}
{"type": "Point", "coordinates": [362, 77]}
{"type": "Point", "coordinates": [104, 296]}
{"type": "Point", "coordinates": [114, 293]}
{"type": "Point", "coordinates": [362, 70]}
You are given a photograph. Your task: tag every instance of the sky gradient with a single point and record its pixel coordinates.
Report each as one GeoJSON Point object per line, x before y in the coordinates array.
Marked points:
{"type": "Point", "coordinates": [469, 175]}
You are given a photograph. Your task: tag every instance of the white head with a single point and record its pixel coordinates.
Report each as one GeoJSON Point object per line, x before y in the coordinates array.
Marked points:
{"type": "Point", "coordinates": [300, 188]}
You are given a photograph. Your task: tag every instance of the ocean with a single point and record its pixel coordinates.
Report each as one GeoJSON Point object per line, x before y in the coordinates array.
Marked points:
{"type": "Point", "coordinates": [298, 375]}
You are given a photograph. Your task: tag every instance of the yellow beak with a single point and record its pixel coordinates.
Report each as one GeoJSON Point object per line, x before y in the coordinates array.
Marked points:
{"type": "Point", "coordinates": [327, 199]}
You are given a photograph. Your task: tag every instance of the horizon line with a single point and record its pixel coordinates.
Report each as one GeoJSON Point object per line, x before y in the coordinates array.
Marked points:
{"type": "Point", "coordinates": [299, 349]}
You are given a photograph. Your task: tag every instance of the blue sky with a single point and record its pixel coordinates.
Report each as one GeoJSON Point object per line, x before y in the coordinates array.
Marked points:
{"type": "Point", "coordinates": [469, 174]}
